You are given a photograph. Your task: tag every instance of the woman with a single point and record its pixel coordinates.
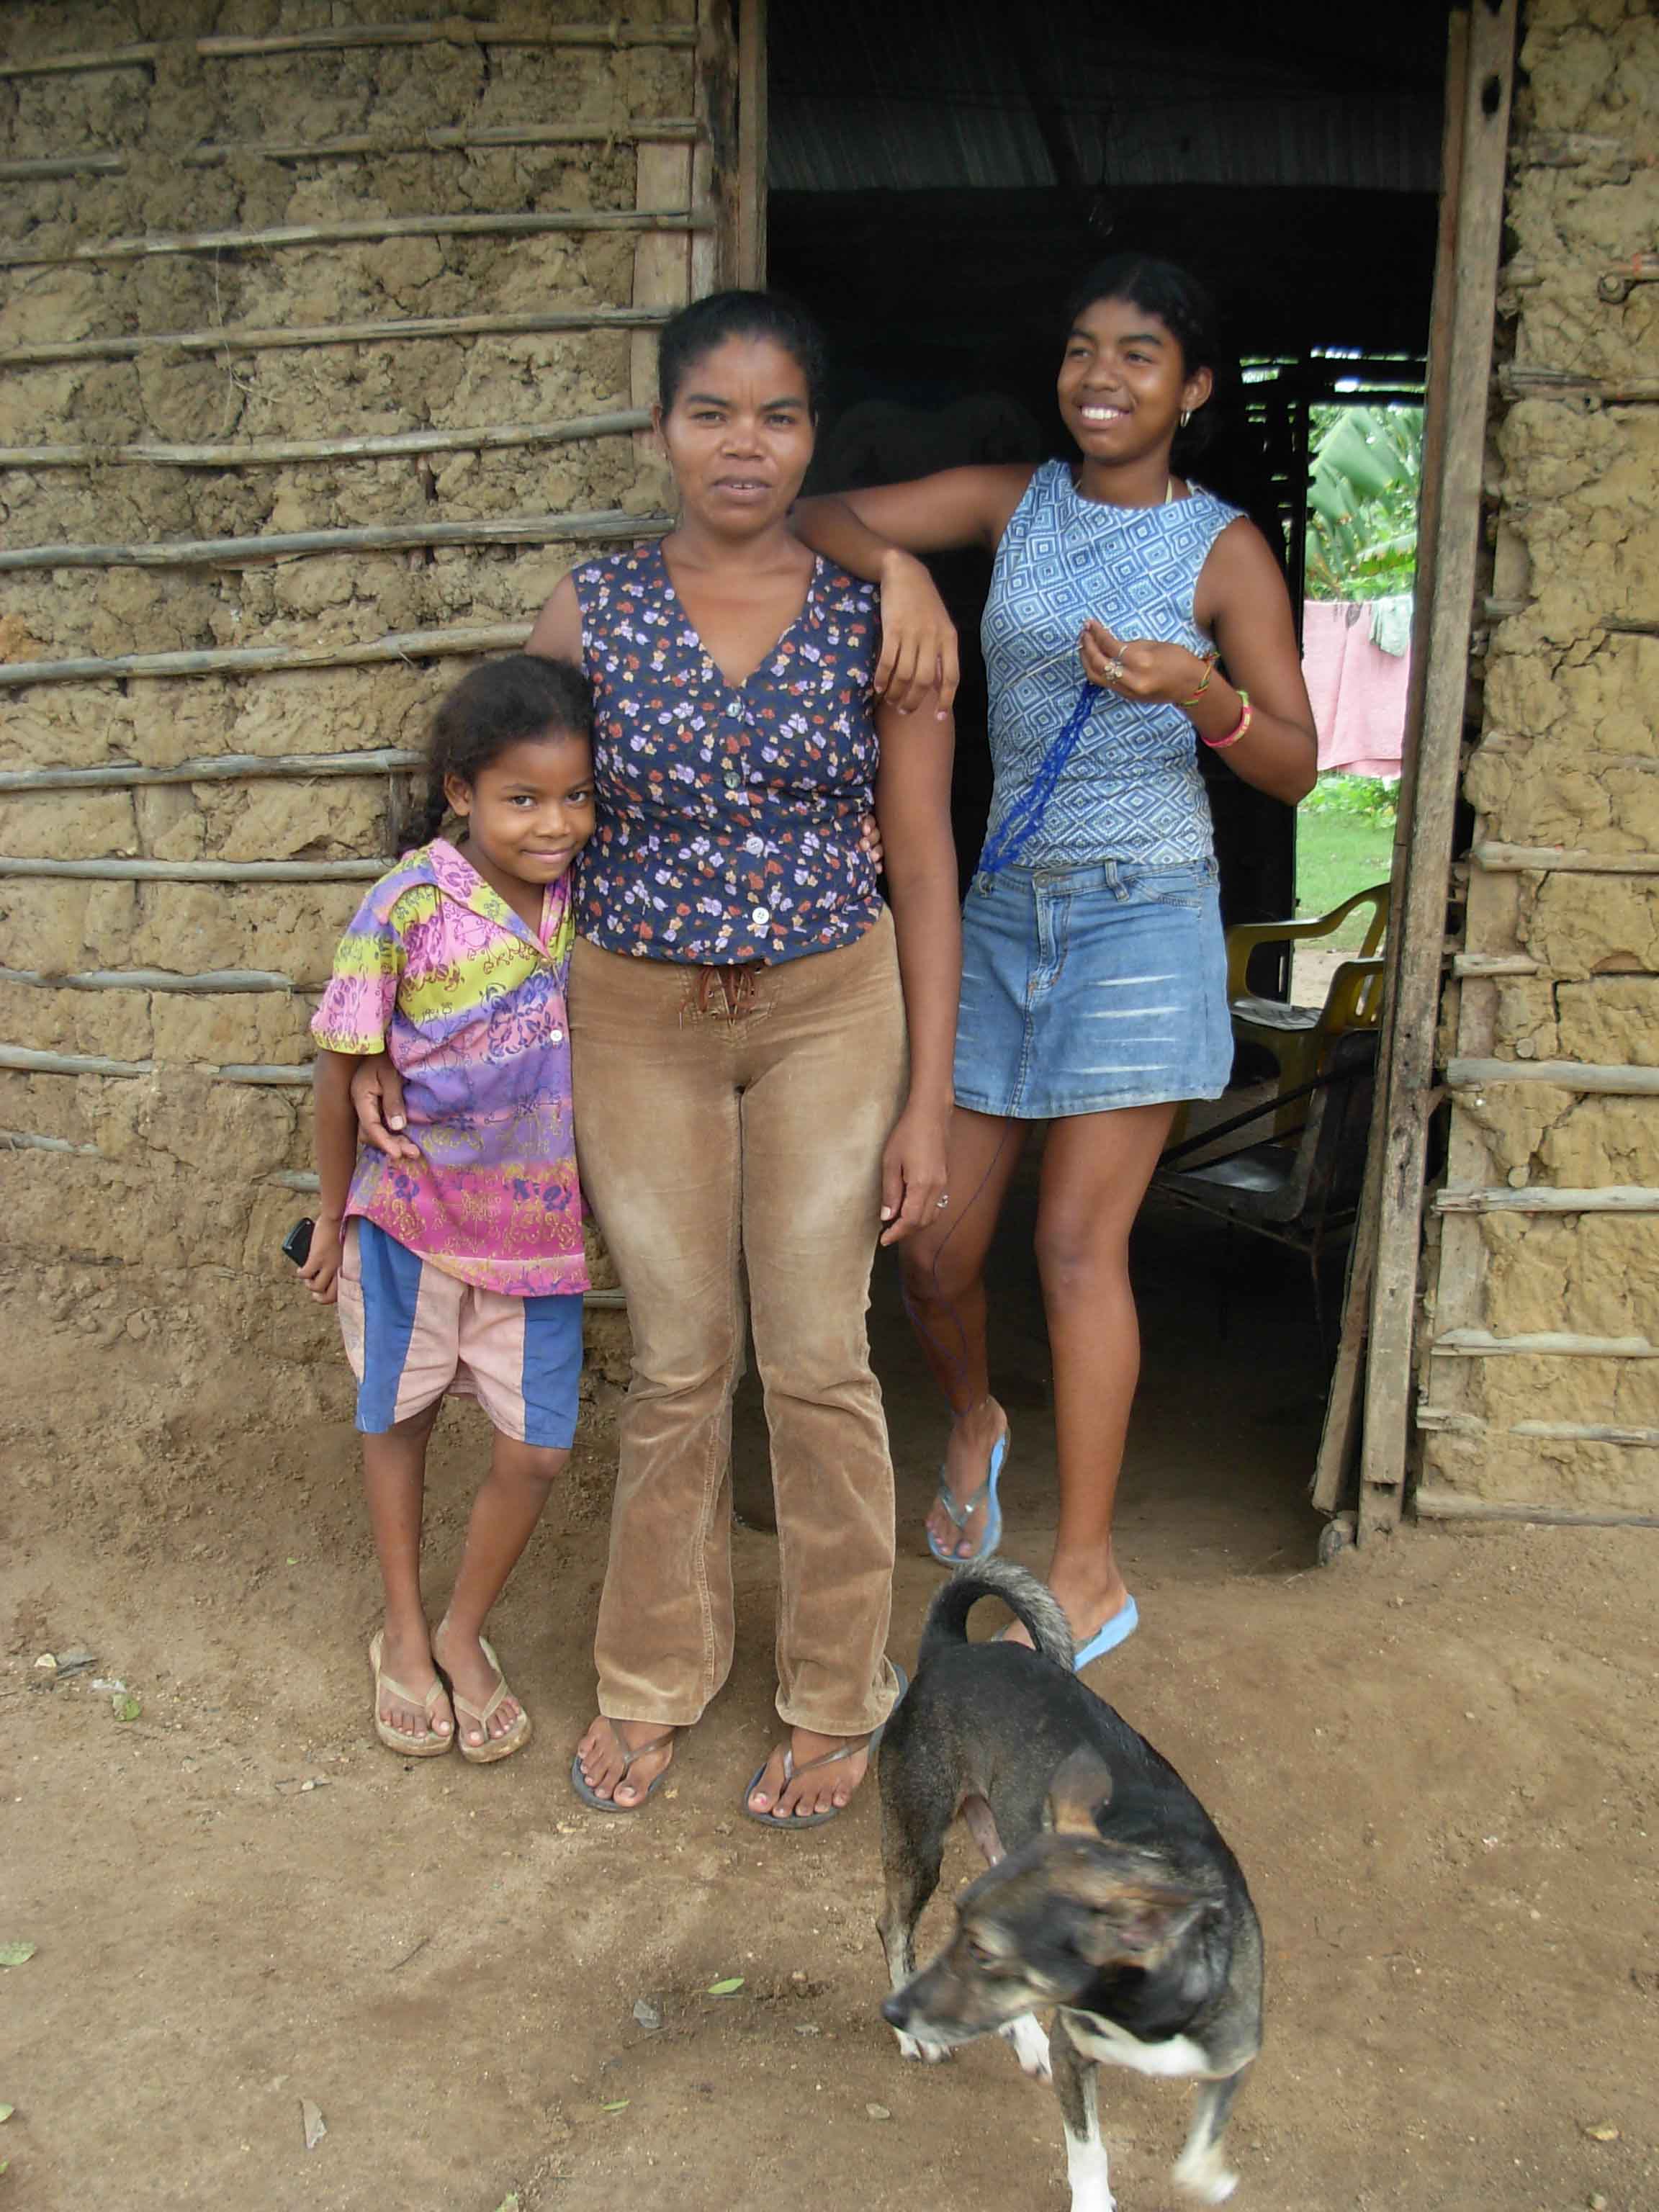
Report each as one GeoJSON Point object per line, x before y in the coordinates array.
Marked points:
{"type": "Point", "coordinates": [740, 1001]}
{"type": "Point", "coordinates": [1093, 966]}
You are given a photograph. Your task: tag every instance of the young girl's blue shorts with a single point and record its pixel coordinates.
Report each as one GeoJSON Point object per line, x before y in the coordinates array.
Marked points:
{"type": "Point", "coordinates": [1090, 988]}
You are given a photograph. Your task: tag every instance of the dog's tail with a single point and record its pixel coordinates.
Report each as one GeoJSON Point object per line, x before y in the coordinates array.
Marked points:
{"type": "Point", "coordinates": [1033, 1603]}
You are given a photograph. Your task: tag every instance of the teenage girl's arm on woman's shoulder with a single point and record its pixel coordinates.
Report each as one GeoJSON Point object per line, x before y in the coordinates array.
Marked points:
{"type": "Point", "coordinates": [1243, 603]}
{"type": "Point", "coordinates": [877, 533]}
{"type": "Point", "coordinates": [913, 808]}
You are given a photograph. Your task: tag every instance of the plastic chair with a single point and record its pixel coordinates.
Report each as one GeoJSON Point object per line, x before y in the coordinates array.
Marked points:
{"type": "Point", "coordinates": [1299, 1038]}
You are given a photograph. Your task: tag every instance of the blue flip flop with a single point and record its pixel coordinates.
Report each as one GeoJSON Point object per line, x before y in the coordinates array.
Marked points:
{"type": "Point", "coordinates": [790, 1769]}
{"type": "Point", "coordinates": [960, 1511]}
{"type": "Point", "coordinates": [1118, 1630]}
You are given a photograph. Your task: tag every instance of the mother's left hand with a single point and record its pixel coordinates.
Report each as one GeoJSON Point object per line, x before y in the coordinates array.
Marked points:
{"type": "Point", "coordinates": [1139, 667]}
{"type": "Point", "coordinates": [913, 1173]}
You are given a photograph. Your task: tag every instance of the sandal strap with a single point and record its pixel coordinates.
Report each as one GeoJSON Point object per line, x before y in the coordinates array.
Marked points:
{"type": "Point", "coordinates": [640, 1751]}
{"type": "Point", "coordinates": [390, 1688]}
{"type": "Point", "coordinates": [849, 1750]}
{"type": "Point", "coordinates": [959, 1512]}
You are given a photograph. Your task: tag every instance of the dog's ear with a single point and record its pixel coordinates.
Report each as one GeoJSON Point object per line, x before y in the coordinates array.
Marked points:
{"type": "Point", "coordinates": [1134, 1923]}
{"type": "Point", "coordinates": [1082, 1786]}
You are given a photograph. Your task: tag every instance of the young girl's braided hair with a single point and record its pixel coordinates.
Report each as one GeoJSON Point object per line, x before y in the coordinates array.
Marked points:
{"type": "Point", "coordinates": [497, 704]}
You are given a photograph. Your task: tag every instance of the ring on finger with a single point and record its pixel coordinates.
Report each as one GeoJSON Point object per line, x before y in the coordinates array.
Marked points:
{"type": "Point", "coordinates": [1114, 671]}
{"type": "Point", "coordinates": [943, 1202]}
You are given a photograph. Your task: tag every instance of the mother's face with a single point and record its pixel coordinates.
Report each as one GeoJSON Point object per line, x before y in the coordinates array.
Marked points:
{"type": "Point", "coordinates": [739, 436]}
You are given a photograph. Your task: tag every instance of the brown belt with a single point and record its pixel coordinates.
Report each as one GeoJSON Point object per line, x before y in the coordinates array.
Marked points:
{"type": "Point", "coordinates": [737, 981]}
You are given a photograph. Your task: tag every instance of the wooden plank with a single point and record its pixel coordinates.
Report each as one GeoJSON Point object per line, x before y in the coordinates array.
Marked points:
{"type": "Point", "coordinates": [749, 241]}
{"type": "Point", "coordinates": [449, 30]}
{"type": "Point", "coordinates": [202, 871]}
{"type": "Point", "coordinates": [370, 144]}
{"type": "Point", "coordinates": [1487, 966]}
{"type": "Point", "coordinates": [1502, 859]}
{"type": "Point", "coordinates": [1440, 1505]}
{"type": "Point", "coordinates": [1340, 1436]}
{"type": "Point", "coordinates": [19, 1141]}
{"type": "Point", "coordinates": [1481, 1344]}
{"type": "Point", "coordinates": [245, 659]}
{"type": "Point", "coordinates": [230, 980]}
{"type": "Point", "coordinates": [213, 768]}
{"type": "Point", "coordinates": [274, 1078]}
{"type": "Point", "coordinates": [248, 338]}
{"type": "Point", "coordinates": [1439, 1418]}
{"type": "Point", "coordinates": [1420, 926]}
{"type": "Point", "coordinates": [1518, 383]}
{"type": "Point", "coordinates": [608, 523]}
{"type": "Point", "coordinates": [1608, 1079]}
{"type": "Point", "coordinates": [662, 269]}
{"type": "Point", "coordinates": [355, 230]}
{"type": "Point", "coordinates": [1538, 1198]}
{"type": "Point", "coordinates": [26, 1062]}
{"type": "Point", "coordinates": [257, 453]}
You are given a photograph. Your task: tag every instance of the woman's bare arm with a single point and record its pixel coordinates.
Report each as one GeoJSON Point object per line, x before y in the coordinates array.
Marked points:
{"type": "Point", "coordinates": [913, 807]}
{"type": "Point", "coordinates": [1242, 601]}
{"type": "Point", "coordinates": [558, 632]}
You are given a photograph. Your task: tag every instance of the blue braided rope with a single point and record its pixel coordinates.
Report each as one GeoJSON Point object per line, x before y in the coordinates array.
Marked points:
{"type": "Point", "coordinates": [1024, 818]}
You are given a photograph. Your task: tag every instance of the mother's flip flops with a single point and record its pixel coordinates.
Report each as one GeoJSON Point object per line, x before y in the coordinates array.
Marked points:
{"type": "Point", "coordinates": [429, 1744]}
{"type": "Point", "coordinates": [826, 1759]}
{"type": "Point", "coordinates": [590, 1796]}
{"type": "Point", "coordinates": [959, 1511]}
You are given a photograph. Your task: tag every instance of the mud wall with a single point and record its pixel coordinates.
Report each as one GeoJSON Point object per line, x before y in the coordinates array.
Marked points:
{"type": "Point", "coordinates": [1553, 1185]}
{"type": "Point", "coordinates": [471, 231]}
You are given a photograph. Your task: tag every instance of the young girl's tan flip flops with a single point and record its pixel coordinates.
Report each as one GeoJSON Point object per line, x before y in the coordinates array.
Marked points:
{"type": "Point", "coordinates": [429, 1743]}
{"type": "Point", "coordinates": [493, 1747]}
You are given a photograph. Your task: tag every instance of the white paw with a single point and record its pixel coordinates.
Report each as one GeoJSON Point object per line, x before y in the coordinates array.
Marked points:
{"type": "Point", "coordinates": [1030, 2047]}
{"type": "Point", "coordinates": [931, 2054]}
{"type": "Point", "coordinates": [1206, 2178]}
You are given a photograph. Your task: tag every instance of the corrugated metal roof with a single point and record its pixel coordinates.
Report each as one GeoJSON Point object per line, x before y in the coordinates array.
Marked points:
{"type": "Point", "coordinates": [918, 97]}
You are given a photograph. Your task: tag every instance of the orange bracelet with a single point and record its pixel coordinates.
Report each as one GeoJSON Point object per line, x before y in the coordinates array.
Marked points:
{"type": "Point", "coordinates": [1220, 744]}
{"type": "Point", "coordinates": [1209, 660]}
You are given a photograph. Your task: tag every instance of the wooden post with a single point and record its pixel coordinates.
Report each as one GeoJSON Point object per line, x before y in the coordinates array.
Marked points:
{"type": "Point", "coordinates": [751, 142]}
{"type": "Point", "coordinates": [1419, 925]}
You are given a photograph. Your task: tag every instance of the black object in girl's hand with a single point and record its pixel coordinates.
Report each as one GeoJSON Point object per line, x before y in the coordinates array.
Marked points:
{"type": "Point", "coordinates": [297, 1245]}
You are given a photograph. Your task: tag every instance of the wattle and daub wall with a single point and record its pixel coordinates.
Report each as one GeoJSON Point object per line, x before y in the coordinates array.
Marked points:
{"type": "Point", "coordinates": [479, 264]}
{"type": "Point", "coordinates": [1549, 1224]}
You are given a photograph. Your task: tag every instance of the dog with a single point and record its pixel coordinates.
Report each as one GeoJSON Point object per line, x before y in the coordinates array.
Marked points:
{"type": "Point", "coordinates": [1110, 1895]}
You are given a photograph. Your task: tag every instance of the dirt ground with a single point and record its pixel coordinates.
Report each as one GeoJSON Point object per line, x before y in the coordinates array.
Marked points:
{"type": "Point", "coordinates": [1436, 1761]}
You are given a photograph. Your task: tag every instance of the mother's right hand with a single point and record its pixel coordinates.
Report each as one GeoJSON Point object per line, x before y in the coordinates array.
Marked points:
{"type": "Point", "coordinates": [376, 1093]}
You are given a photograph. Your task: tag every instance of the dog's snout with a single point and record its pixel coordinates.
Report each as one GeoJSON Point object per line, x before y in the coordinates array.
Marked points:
{"type": "Point", "coordinates": [894, 2010]}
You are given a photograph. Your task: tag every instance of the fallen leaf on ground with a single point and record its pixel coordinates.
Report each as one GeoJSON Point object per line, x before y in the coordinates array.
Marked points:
{"type": "Point", "coordinates": [14, 1954]}
{"type": "Point", "coordinates": [728, 1988]}
{"type": "Point", "coordinates": [647, 2013]}
{"type": "Point", "coordinates": [316, 2126]}
{"type": "Point", "coordinates": [1601, 2131]}
{"type": "Point", "coordinates": [126, 1706]}
{"type": "Point", "coordinates": [620, 2104]}
{"type": "Point", "coordinates": [6, 2111]}
{"type": "Point", "coordinates": [509, 2204]}
{"type": "Point", "coordinates": [878, 2111]}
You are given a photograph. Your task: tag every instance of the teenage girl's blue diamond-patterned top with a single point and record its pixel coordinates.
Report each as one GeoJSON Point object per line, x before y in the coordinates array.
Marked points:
{"type": "Point", "coordinates": [1130, 789]}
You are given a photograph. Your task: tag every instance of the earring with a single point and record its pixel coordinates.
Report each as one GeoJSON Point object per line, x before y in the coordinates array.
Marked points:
{"type": "Point", "coordinates": [1186, 417]}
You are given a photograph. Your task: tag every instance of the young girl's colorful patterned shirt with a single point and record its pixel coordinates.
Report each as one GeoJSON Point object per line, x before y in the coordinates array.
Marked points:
{"type": "Point", "coordinates": [437, 970]}
{"type": "Point", "coordinates": [729, 815]}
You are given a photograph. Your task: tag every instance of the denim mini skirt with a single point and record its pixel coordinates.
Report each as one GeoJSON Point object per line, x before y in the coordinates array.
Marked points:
{"type": "Point", "coordinates": [1089, 988]}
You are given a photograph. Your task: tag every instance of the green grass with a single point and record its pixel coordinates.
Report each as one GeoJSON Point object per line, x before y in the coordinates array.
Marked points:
{"type": "Point", "coordinates": [1344, 842]}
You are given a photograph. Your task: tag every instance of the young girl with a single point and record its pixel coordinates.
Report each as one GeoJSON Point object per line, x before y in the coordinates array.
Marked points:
{"type": "Point", "coordinates": [1094, 971]}
{"type": "Point", "coordinates": [460, 1270]}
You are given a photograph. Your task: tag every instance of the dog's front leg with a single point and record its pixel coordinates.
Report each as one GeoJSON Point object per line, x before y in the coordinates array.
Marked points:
{"type": "Point", "coordinates": [1086, 2167]}
{"type": "Point", "coordinates": [1201, 2170]}
{"type": "Point", "coordinates": [1030, 2046]}
{"type": "Point", "coordinates": [912, 1878]}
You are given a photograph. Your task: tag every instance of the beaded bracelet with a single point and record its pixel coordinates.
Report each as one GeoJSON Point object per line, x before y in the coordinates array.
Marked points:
{"type": "Point", "coordinates": [1220, 744]}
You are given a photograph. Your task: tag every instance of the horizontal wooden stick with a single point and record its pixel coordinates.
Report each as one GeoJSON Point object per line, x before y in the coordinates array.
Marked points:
{"type": "Point", "coordinates": [19, 1141]}
{"type": "Point", "coordinates": [1564, 384]}
{"type": "Point", "coordinates": [247, 659]}
{"type": "Point", "coordinates": [288, 1078]}
{"type": "Point", "coordinates": [1565, 1074]}
{"type": "Point", "coordinates": [1645, 626]}
{"type": "Point", "coordinates": [449, 30]}
{"type": "Point", "coordinates": [1498, 859]}
{"type": "Point", "coordinates": [363, 229]}
{"type": "Point", "coordinates": [212, 768]}
{"type": "Point", "coordinates": [1475, 965]}
{"type": "Point", "coordinates": [1440, 1419]}
{"type": "Point", "coordinates": [1481, 1344]}
{"type": "Point", "coordinates": [601, 526]}
{"type": "Point", "coordinates": [1435, 1503]}
{"type": "Point", "coordinates": [259, 452]}
{"type": "Point", "coordinates": [1613, 1198]}
{"type": "Point", "coordinates": [248, 338]}
{"type": "Point", "coordinates": [637, 130]}
{"type": "Point", "coordinates": [70, 1063]}
{"type": "Point", "coordinates": [152, 979]}
{"type": "Point", "coordinates": [201, 871]}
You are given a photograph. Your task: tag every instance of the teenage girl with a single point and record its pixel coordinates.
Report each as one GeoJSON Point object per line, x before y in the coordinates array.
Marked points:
{"type": "Point", "coordinates": [1132, 616]}
{"type": "Point", "coordinates": [458, 1267]}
